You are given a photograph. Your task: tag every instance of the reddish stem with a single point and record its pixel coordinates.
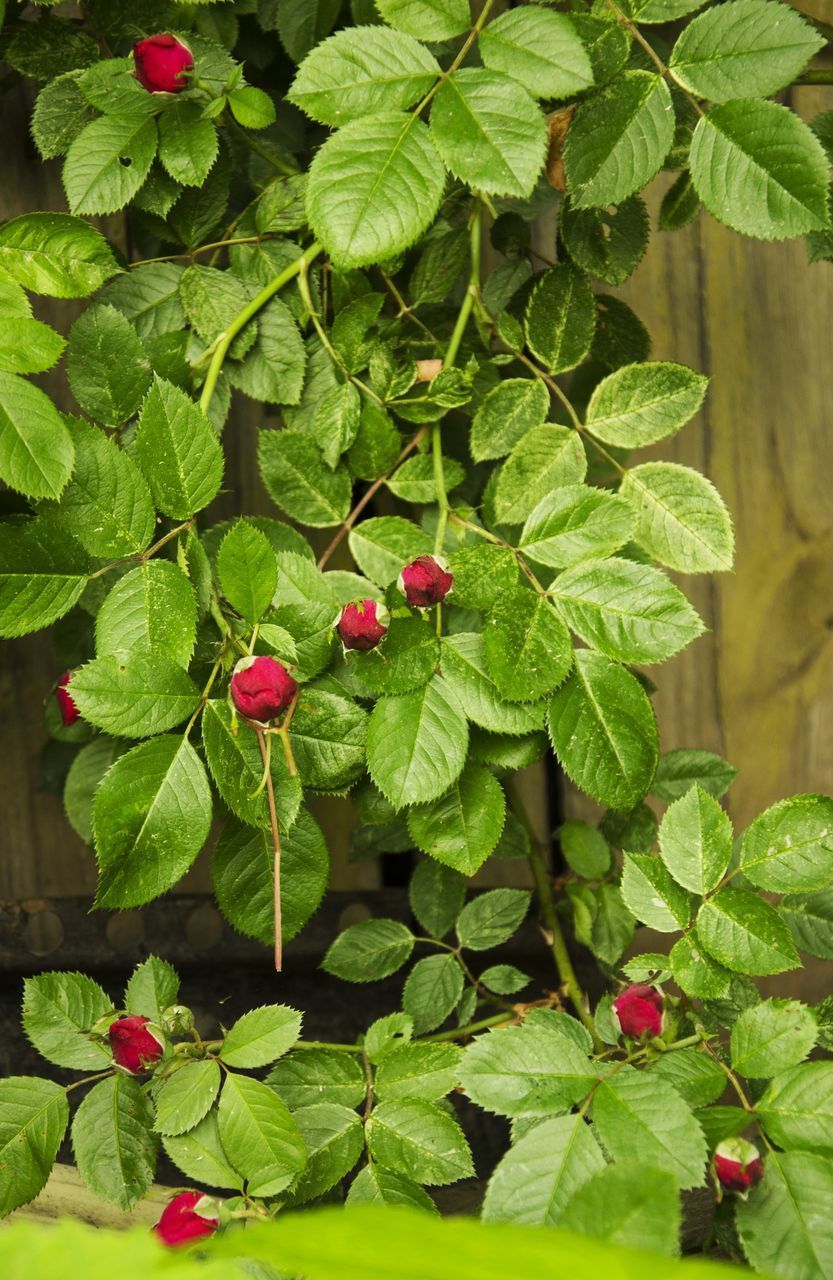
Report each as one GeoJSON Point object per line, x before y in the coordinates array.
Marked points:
{"type": "Point", "coordinates": [276, 842]}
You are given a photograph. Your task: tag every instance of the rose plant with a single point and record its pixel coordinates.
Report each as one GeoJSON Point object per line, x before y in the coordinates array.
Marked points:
{"type": "Point", "coordinates": [348, 241]}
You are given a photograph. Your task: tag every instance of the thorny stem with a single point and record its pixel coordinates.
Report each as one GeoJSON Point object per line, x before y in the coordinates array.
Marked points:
{"type": "Point", "coordinates": [203, 248]}
{"type": "Point", "coordinates": [324, 337]}
{"type": "Point", "coordinates": [276, 844]}
{"type": "Point", "coordinates": [555, 934]}
{"type": "Point", "coordinates": [243, 317]}
{"type": "Point", "coordinates": [142, 556]}
{"type": "Point", "coordinates": [472, 291]}
{"type": "Point", "coordinates": [462, 1033]}
{"type": "Point", "coordinates": [351, 519]}
{"type": "Point", "coordinates": [76, 1084]}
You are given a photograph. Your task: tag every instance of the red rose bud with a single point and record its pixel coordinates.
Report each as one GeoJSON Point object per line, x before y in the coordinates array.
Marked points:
{"type": "Point", "coordinates": [161, 63]}
{"type": "Point", "coordinates": [738, 1164]}
{"type": "Point", "coordinates": [262, 688]}
{"type": "Point", "coordinates": [189, 1216]}
{"type": "Point", "coordinates": [639, 1009]}
{"type": "Point", "coordinates": [425, 581]}
{"type": "Point", "coordinates": [66, 702]}
{"type": "Point", "coordinates": [362, 624]}
{"type": "Point", "coordinates": [136, 1047]}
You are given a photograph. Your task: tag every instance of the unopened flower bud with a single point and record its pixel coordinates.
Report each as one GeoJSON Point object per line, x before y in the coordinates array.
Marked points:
{"type": "Point", "coordinates": [639, 1010]}
{"type": "Point", "coordinates": [362, 624]}
{"type": "Point", "coordinates": [425, 581]}
{"type": "Point", "coordinates": [738, 1165]}
{"type": "Point", "coordinates": [262, 688]}
{"type": "Point", "coordinates": [427, 370]}
{"type": "Point", "coordinates": [161, 63]}
{"type": "Point", "coordinates": [66, 702]}
{"type": "Point", "coordinates": [189, 1216]}
{"type": "Point", "coordinates": [177, 1020]}
{"type": "Point", "coordinates": [136, 1044]}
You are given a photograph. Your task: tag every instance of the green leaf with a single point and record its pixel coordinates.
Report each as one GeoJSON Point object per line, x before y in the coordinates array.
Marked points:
{"type": "Point", "coordinates": [336, 422]}
{"type": "Point", "coordinates": [108, 389]}
{"type": "Point", "coordinates": [318, 1075]}
{"type": "Point", "coordinates": [150, 610]}
{"type": "Point", "coordinates": [748, 49]}
{"type": "Point", "coordinates": [639, 1116]}
{"type": "Point", "coordinates": [201, 1156]}
{"type": "Point", "coordinates": [85, 773]}
{"type": "Point", "coordinates": [526, 646]}
{"type": "Point", "coordinates": [55, 254]}
{"type": "Point", "coordinates": [149, 297]}
{"type": "Point", "coordinates": [628, 611]}
{"type": "Point", "coordinates": [108, 162]}
{"type": "Point", "coordinates": [489, 131]}
{"type": "Point", "coordinates": [585, 849]}
{"type": "Point", "coordinates": [380, 1186]}
{"type": "Point", "coordinates": [247, 570]}
{"type": "Point", "coordinates": [608, 243]}
{"type": "Point", "coordinates": [618, 140]}
{"type": "Point", "coordinates": [560, 318]}
{"type": "Point", "coordinates": [152, 815]}
{"type": "Point", "coordinates": [504, 979]}
{"type": "Point", "coordinates": [772, 1036]}
{"type": "Point", "coordinates": [576, 522]}
{"type": "Point", "coordinates": [678, 770]}
{"type": "Point", "coordinates": [642, 403]}
{"type": "Point", "coordinates": [746, 934]}
{"type": "Point", "coordinates": [178, 451]}
{"type": "Point", "coordinates": [27, 345]}
{"type": "Point", "coordinates": [695, 840]}
{"type": "Point", "coordinates": [212, 300]}
{"type": "Point", "coordinates": [187, 142]}
{"type": "Point", "coordinates": [252, 107]}
{"type": "Point", "coordinates": [462, 828]}
{"type": "Point", "coordinates": [244, 883]}
{"type": "Point", "coordinates": [417, 743]}
{"type": "Point", "coordinates": [682, 520]}
{"type": "Point", "coordinates": [334, 1140]}
{"type": "Point", "coordinates": [427, 19]}
{"type": "Point", "coordinates": [112, 1142]}
{"type": "Point", "coordinates": [603, 731]}
{"type": "Point", "coordinates": [42, 573]}
{"type": "Point", "coordinates": [652, 895]}
{"type": "Point", "coordinates": [261, 1138]}
{"type": "Point", "coordinates": [464, 670]}
{"type": "Point", "coordinates": [797, 1108]}
{"type": "Point", "coordinates": [505, 415]}
{"type": "Point", "coordinates": [407, 659]}
{"type": "Point", "coordinates": [761, 170]}
{"type": "Point", "coordinates": [360, 72]}
{"type": "Point", "coordinates": [492, 918]}
{"type": "Point", "coordinates": [58, 1011]}
{"type": "Point", "coordinates": [383, 545]}
{"type": "Point", "coordinates": [407, 1134]}
{"type": "Point", "coordinates": [789, 847]}
{"type": "Point", "coordinates": [538, 1176]}
{"type": "Point", "coordinates": [697, 1078]}
{"type": "Point", "coordinates": [810, 921]}
{"type": "Point", "coordinates": [526, 1071]}
{"type": "Point", "coordinates": [633, 1206]}
{"type": "Point", "coordinates": [432, 990]}
{"type": "Point", "coordinates": [135, 696]}
{"type": "Point", "coordinates": [482, 573]}
{"type": "Point", "coordinates": [233, 756]}
{"type": "Point", "coordinates": [695, 972]}
{"type": "Point", "coordinates": [153, 986]}
{"type": "Point", "coordinates": [540, 49]}
{"type": "Point", "coordinates": [328, 737]}
{"type": "Point", "coordinates": [436, 895]}
{"type": "Point", "coordinates": [107, 504]}
{"type": "Point", "coordinates": [260, 1036]}
{"type": "Point", "coordinates": [36, 449]}
{"type": "Point", "coordinates": [546, 458]}
{"type": "Point", "coordinates": [369, 950]}
{"type": "Point", "coordinates": [274, 368]}
{"type": "Point", "coordinates": [783, 1225]}
{"type": "Point", "coordinates": [61, 112]}
{"type": "Point", "coordinates": [427, 1071]}
{"type": "Point", "coordinates": [186, 1096]}
{"type": "Point", "coordinates": [660, 10]}
{"type": "Point", "coordinates": [374, 187]}
{"type": "Point", "coordinates": [33, 1120]}
{"type": "Point", "coordinates": [298, 480]}
{"type": "Point", "coordinates": [414, 480]}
